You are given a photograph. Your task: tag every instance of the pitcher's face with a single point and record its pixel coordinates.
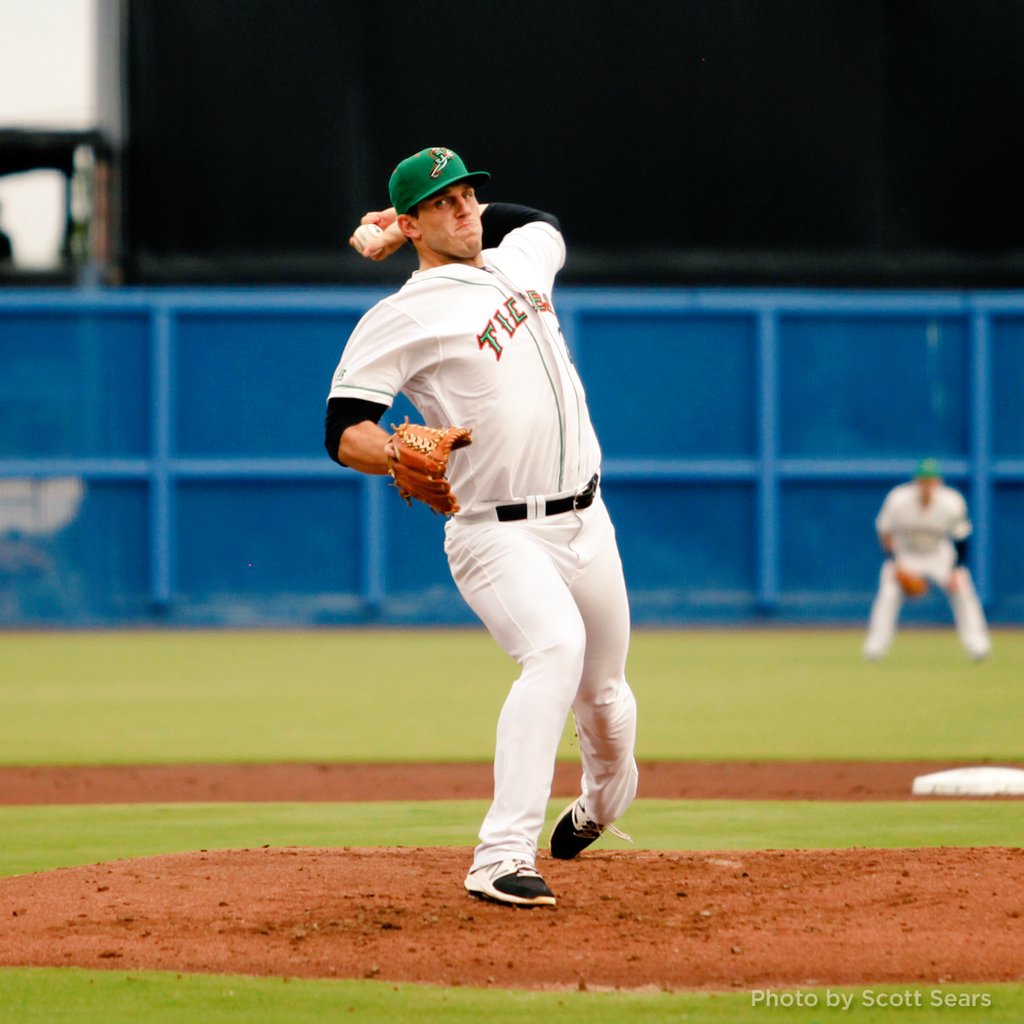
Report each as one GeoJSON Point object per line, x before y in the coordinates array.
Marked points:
{"type": "Point", "coordinates": [447, 227]}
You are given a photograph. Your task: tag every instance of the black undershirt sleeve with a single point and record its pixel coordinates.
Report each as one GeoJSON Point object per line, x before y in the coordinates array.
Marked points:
{"type": "Point", "coordinates": [961, 551]}
{"type": "Point", "coordinates": [343, 413]}
{"type": "Point", "coordinates": [501, 218]}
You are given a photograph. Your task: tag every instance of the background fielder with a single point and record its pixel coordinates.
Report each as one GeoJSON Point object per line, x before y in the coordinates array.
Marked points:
{"type": "Point", "coordinates": [923, 526]}
{"type": "Point", "coordinates": [472, 339]}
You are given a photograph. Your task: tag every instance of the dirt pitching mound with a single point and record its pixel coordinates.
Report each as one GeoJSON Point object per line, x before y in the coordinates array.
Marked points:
{"type": "Point", "coordinates": [624, 920]}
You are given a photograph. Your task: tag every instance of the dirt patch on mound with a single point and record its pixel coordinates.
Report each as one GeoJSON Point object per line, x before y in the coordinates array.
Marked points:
{"type": "Point", "coordinates": [624, 920]}
{"type": "Point", "coordinates": [724, 780]}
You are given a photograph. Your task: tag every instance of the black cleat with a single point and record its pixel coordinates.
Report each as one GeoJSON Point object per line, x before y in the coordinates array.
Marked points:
{"type": "Point", "coordinates": [513, 883]}
{"type": "Point", "coordinates": [574, 832]}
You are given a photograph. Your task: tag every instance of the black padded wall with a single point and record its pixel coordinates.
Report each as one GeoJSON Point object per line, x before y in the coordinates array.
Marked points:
{"type": "Point", "coordinates": [680, 141]}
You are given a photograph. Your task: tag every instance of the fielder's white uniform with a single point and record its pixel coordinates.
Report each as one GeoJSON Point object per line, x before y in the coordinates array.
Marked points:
{"type": "Point", "coordinates": [483, 348]}
{"type": "Point", "coordinates": [922, 542]}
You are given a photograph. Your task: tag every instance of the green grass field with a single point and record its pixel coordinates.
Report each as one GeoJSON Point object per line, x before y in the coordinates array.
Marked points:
{"type": "Point", "coordinates": [157, 697]}
{"type": "Point", "coordinates": [109, 997]}
{"type": "Point", "coordinates": [95, 698]}
{"type": "Point", "coordinates": [40, 838]}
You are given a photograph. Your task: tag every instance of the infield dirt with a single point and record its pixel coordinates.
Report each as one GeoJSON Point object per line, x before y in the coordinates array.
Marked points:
{"type": "Point", "coordinates": [670, 780]}
{"type": "Point", "coordinates": [624, 920]}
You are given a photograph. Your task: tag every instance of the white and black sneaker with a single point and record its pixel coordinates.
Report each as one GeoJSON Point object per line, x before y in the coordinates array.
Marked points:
{"type": "Point", "coordinates": [513, 883]}
{"type": "Point", "coordinates": [573, 832]}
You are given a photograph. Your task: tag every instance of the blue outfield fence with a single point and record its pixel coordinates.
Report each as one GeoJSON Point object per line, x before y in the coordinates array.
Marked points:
{"type": "Point", "coordinates": [161, 454]}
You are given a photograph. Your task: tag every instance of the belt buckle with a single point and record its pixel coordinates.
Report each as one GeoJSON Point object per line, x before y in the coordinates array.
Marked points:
{"type": "Point", "coordinates": [587, 492]}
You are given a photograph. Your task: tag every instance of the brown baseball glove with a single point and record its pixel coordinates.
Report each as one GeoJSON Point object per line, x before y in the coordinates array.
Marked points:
{"type": "Point", "coordinates": [420, 460]}
{"type": "Point", "coordinates": [912, 584]}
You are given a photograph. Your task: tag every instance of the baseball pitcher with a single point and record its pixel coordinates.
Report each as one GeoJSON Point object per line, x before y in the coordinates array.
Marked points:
{"type": "Point", "coordinates": [508, 454]}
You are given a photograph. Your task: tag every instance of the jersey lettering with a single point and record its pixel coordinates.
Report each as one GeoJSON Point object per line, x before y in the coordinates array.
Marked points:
{"type": "Point", "coordinates": [486, 337]}
{"type": "Point", "coordinates": [517, 316]}
{"type": "Point", "coordinates": [540, 302]}
{"type": "Point", "coordinates": [509, 329]}
{"type": "Point", "coordinates": [509, 317]}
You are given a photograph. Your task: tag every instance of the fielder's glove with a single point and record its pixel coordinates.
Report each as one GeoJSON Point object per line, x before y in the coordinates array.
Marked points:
{"type": "Point", "coordinates": [911, 584]}
{"type": "Point", "coordinates": [419, 459]}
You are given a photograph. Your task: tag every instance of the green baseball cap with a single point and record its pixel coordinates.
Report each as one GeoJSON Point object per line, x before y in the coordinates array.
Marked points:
{"type": "Point", "coordinates": [927, 469]}
{"type": "Point", "coordinates": [425, 173]}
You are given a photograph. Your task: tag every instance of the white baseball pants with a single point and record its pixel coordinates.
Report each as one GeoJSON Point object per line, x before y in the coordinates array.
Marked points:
{"type": "Point", "coordinates": [963, 600]}
{"type": "Point", "coordinates": [551, 592]}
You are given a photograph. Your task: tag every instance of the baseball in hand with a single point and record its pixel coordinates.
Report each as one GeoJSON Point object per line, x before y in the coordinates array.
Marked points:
{"type": "Point", "coordinates": [364, 235]}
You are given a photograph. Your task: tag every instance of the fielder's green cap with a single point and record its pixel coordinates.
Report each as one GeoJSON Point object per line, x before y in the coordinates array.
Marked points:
{"type": "Point", "coordinates": [927, 469]}
{"type": "Point", "coordinates": [427, 172]}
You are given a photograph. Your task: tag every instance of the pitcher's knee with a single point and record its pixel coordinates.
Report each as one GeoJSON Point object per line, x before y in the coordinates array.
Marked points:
{"type": "Point", "coordinates": [561, 659]}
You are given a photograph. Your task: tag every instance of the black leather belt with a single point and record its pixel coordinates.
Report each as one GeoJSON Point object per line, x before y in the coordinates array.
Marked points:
{"type": "Point", "coordinates": [585, 498]}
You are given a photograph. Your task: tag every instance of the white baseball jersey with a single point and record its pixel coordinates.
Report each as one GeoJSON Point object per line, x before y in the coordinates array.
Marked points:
{"type": "Point", "coordinates": [482, 348]}
{"type": "Point", "coordinates": [918, 529]}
